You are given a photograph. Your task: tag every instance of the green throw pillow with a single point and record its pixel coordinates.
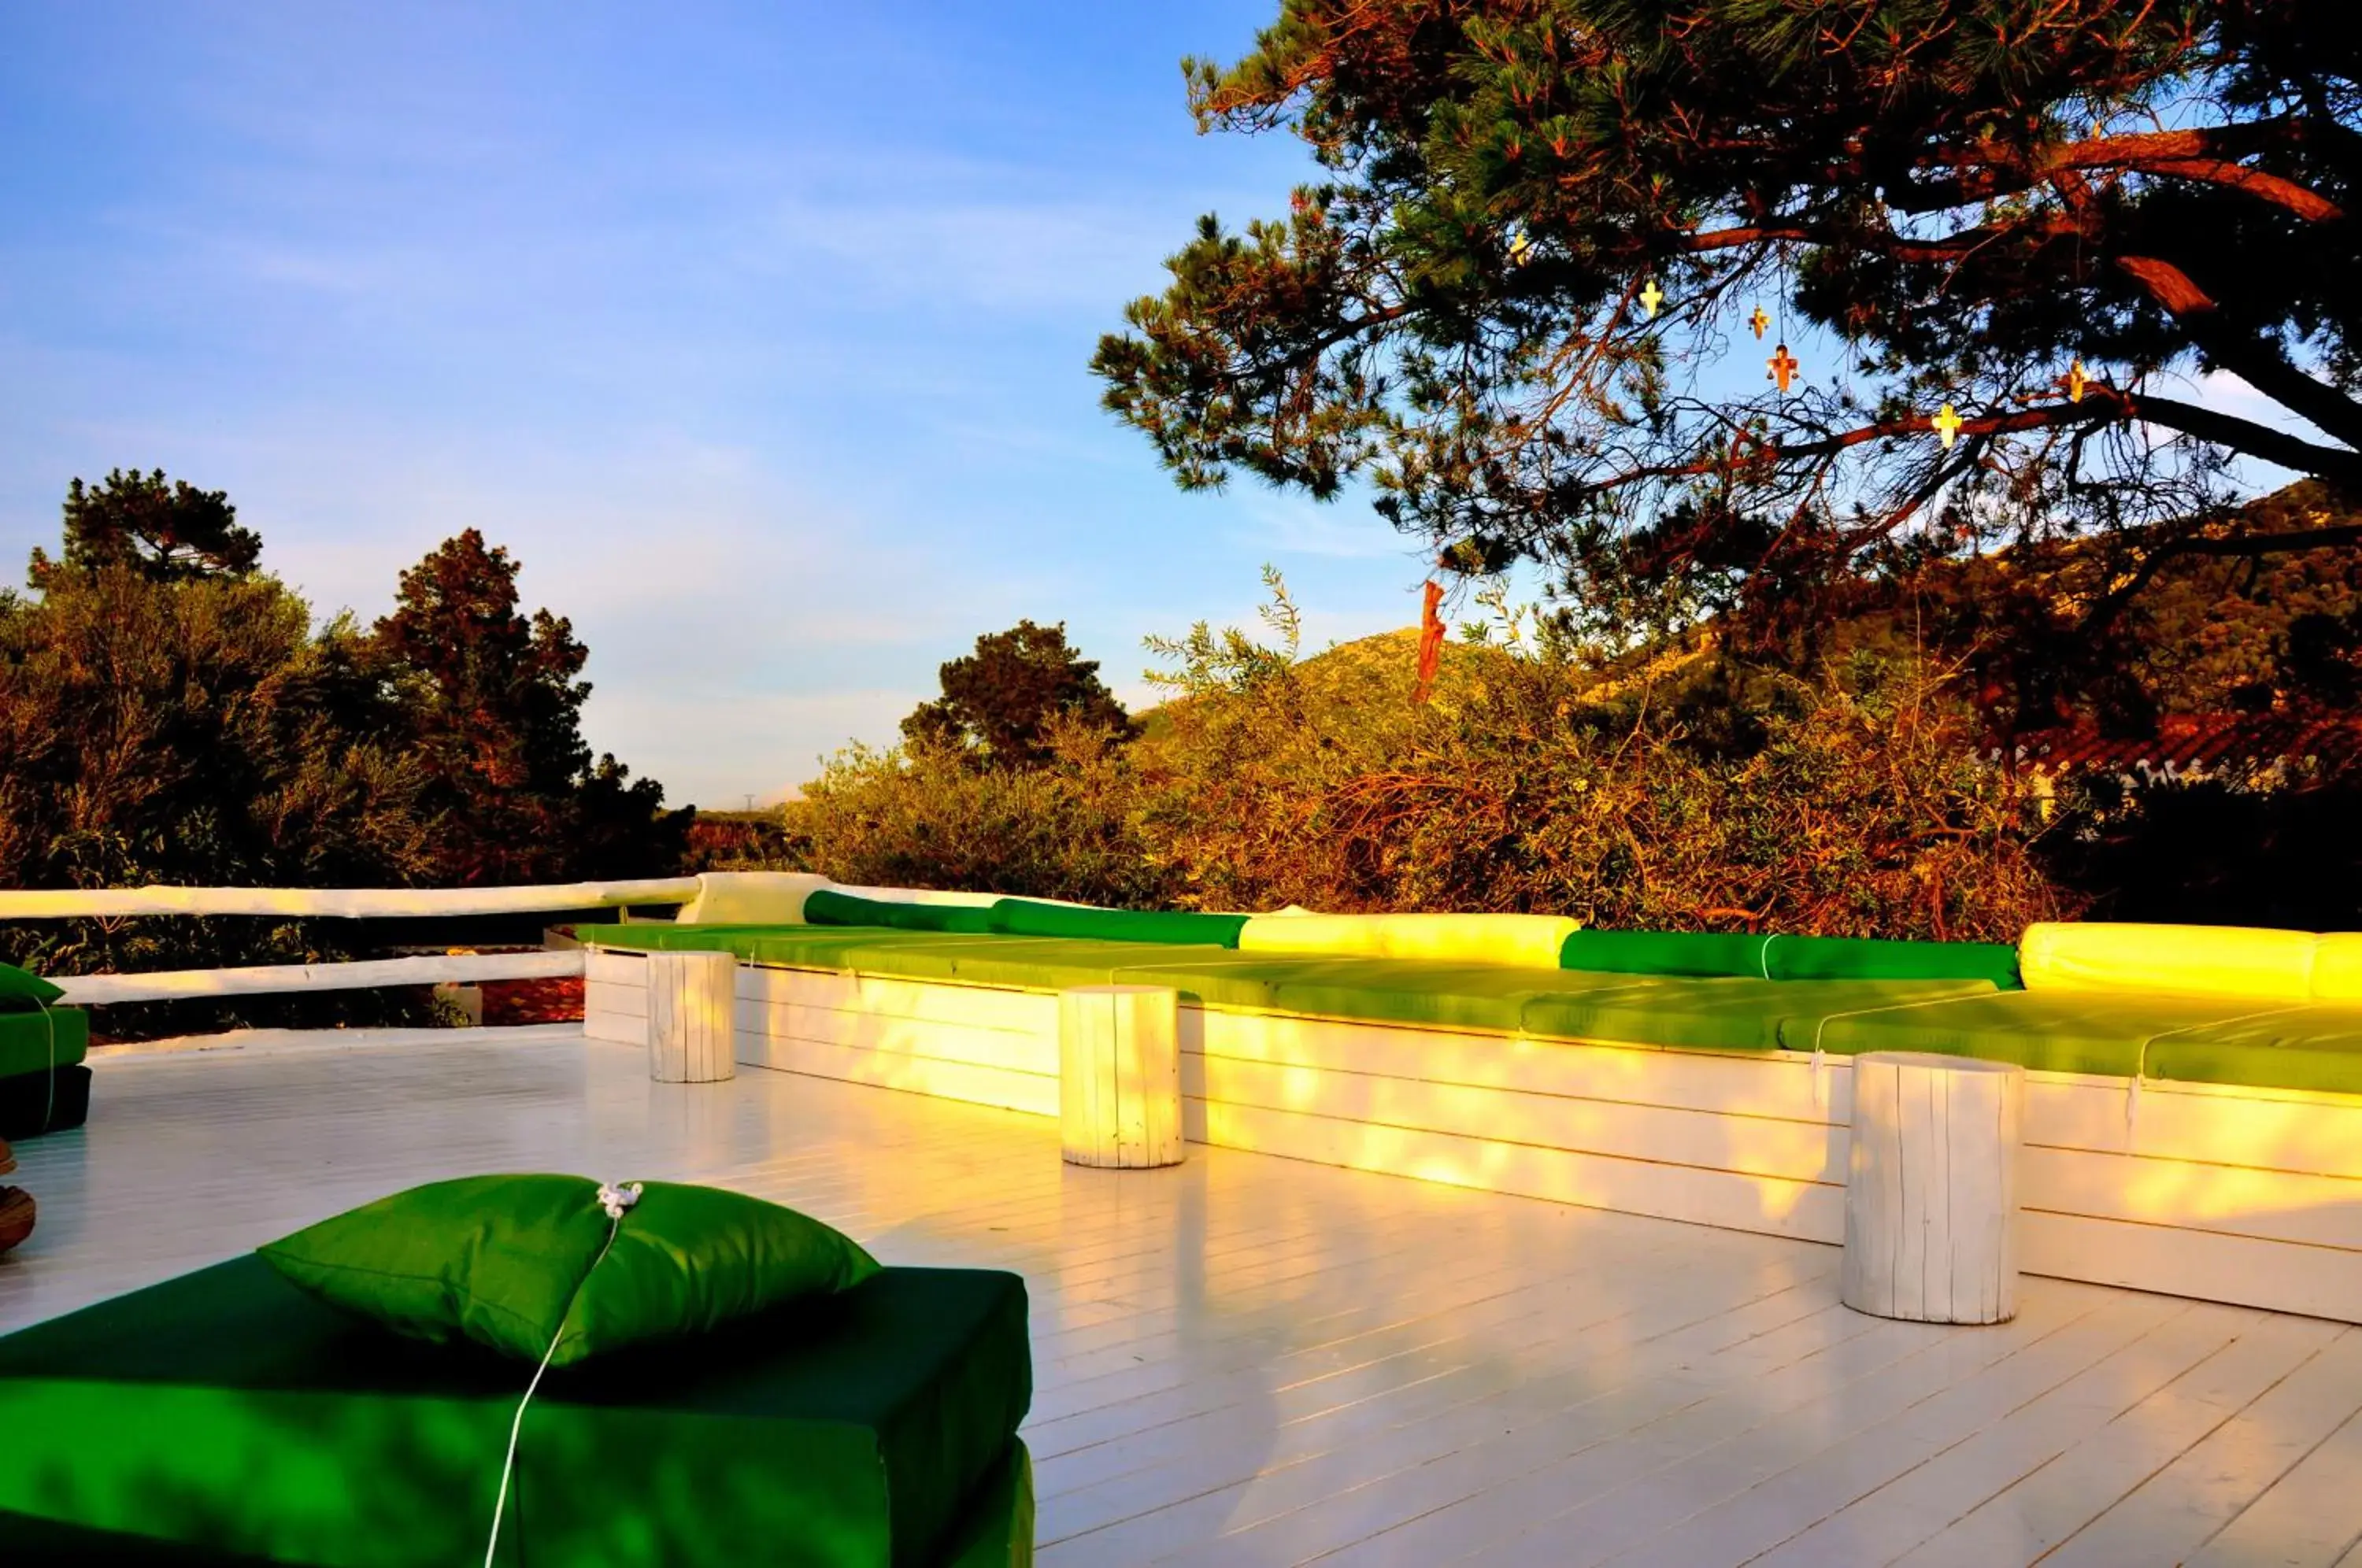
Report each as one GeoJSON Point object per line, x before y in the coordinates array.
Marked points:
{"type": "Point", "coordinates": [21, 991]}
{"type": "Point", "coordinates": [506, 1261]}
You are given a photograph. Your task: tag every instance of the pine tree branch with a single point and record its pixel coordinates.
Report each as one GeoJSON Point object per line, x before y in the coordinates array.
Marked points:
{"type": "Point", "coordinates": [2255, 360]}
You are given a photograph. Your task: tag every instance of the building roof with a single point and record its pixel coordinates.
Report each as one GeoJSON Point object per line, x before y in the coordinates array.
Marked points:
{"type": "Point", "coordinates": [2184, 744]}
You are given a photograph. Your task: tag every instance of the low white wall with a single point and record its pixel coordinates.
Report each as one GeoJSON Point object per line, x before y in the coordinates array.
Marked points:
{"type": "Point", "coordinates": [2252, 1197]}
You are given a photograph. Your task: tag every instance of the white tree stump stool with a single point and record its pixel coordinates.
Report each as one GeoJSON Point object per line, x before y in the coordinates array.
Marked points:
{"type": "Point", "coordinates": [1931, 1188]}
{"type": "Point", "coordinates": [1120, 1075]}
{"type": "Point", "coordinates": [692, 1017]}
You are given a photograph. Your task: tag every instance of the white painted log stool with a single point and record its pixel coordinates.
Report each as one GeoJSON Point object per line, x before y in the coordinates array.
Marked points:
{"type": "Point", "coordinates": [1931, 1188]}
{"type": "Point", "coordinates": [692, 1017]}
{"type": "Point", "coordinates": [1120, 1075]}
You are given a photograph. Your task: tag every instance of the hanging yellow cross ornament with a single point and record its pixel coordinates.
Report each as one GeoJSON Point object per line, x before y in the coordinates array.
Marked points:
{"type": "Point", "coordinates": [1783, 366]}
{"type": "Point", "coordinates": [1652, 296]}
{"type": "Point", "coordinates": [1759, 321]}
{"type": "Point", "coordinates": [2076, 381]}
{"type": "Point", "coordinates": [1947, 426]}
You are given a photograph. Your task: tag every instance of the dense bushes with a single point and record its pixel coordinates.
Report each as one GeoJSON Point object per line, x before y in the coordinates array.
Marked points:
{"type": "Point", "coordinates": [1697, 793]}
{"type": "Point", "coordinates": [170, 713]}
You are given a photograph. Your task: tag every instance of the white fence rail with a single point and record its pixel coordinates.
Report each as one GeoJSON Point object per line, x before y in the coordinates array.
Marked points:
{"type": "Point", "coordinates": [265, 979]}
{"type": "Point", "coordinates": [352, 904]}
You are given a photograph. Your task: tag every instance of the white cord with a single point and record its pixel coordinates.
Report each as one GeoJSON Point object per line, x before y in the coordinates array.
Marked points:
{"type": "Point", "coordinates": [49, 1084]}
{"type": "Point", "coordinates": [614, 1199]}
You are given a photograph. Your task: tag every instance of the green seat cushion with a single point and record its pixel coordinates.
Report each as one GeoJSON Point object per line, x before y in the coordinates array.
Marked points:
{"type": "Point", "coordinates": [1221, 979]}
{"type": "Point", "coordinates": [230, 1411]}
{"type": "Point", "coordinates": [21, 991]}
{"type": "Point", "coordinates": [533, 1265]}
{"type": "Point", "coordinates": [1724, 1014]}
{"type": "Point", "coordinates": [34, 1103]}
{"type": "Point", "coordinates": [1777, 957]}
{"type": "Point", "coordinates": [2047, 1030]}
{"type": "Point", "coordinates": [662, 936]}
{"type": "Point", "coordinates": [2193, 1039]}
{"type": "Point", "coordinates": [35, 1042]}
{"type": "Point", "coordinates": [827, 907]}
{"type": "Point", "coordinates": [1417, 993]}
{"type": "Point", "coordinates": [1047, 964]}
{"type": "Point", "coordinates": [796, 946]}
{"type": "Point", "coordinates": [1024, 917]}
{"type": "Point", "coordinates": [2315, 1048]}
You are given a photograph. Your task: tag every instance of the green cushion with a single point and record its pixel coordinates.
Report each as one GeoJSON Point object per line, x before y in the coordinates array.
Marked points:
{"type": "Point", "coordinates": [34, 1041]}
{"type": "Point", "coordinates": [1781, 958]}
{"type": "Point", "coordinates": [21, 991]}
{"type": "Point", "coordinates": [1728, 1014]}
{"type": "Point", "coordinates": [1223, 978]}
{"type": "Point", "coordinates": [2047, 1031]}
{"type": "Point", "coordinates": [2317, 1048]}
{"type": "Point", "coordinates": [1046, 964]}
{"type": "Point", "coordinates": [2193, 1039]}
{"type": "Point", "coordinates": [1865, 958]}
{"type": "Point", "coordinates": [1697, 952]}
{"type": "Point", "coordinates": [508, 1261]}
{"type": "Point", "coordinates": [660, 936]}
{"type": "Point", "coordinates": [34, 1103]}
{"type": "Point", "coordinates": [796, 946]}
{"type": "Point", "coordinates": [1022, 917]}
{"type": "Point", "coordinates": [1492, 997]}
{"type": "Point", "coordinates": [228, 1410]}
{"type": "Point", "coordinates": [826, 907]}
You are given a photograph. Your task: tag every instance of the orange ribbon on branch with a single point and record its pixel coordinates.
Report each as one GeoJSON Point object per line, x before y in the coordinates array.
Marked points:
{"type": "Point", "coordinates": [1430, 643]}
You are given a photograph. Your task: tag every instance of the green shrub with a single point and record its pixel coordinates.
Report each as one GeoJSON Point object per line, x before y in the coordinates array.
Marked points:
{"type": "Point", "coordinates": [1694, 793]}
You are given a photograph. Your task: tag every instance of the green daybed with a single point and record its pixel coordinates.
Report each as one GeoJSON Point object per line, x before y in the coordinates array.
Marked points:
{"type": "Point", "coordinates": [225, 1417]}
{"type": "Point", "coordinates": [31, 1044]}
{"type": "Point", "coordinates": [1674, 990]}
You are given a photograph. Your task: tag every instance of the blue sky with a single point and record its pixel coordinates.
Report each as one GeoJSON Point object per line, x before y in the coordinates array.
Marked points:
{"type": "Point", "coordinates": [758, 331]}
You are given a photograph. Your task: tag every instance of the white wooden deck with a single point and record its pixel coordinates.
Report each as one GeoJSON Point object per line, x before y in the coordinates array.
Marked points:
{"type": "Point", "coordinates": [1251, 1360]}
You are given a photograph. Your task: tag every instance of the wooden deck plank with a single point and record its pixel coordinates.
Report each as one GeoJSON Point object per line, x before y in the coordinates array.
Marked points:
{"type": "Point", "coordinates": [1252, 1360]}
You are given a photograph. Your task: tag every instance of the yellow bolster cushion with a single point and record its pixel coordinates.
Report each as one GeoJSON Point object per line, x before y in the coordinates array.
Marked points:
{"type": "Point", "coordinates": [2237, 963]}
{"type": "Point", "coordinates": [2337, 967]}
{"type": "Point", "coordinates": [751, 897]}
{"type": "Point", "coordinates": [1526, 940]}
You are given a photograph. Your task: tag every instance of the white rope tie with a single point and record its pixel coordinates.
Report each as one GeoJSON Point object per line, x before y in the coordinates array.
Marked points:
{"type": "Point", "coordinates": [614, 1198]}
{"type": "Point", "coordinates": [1820, 1026]}
{"type": "Point", "coordinates": [2140, 1061]}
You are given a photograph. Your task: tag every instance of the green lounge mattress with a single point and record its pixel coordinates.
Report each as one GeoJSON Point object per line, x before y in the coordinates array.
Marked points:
{"type": "Point", "coordinates": [1044, 963]}
{"type": "Point", "coordinates": [799, 946]}
{"type": "Point", "coordinates": [227, 1412]}
{"type": "Point", "coordinates": [27, 1044]}
{"type": "Point", "coordinates": [1725, 1014]}
{"type": "Point", "coordinates": [2190, 1039]}
{"type": "Point", "coordinates": [1419, 993]}
{"type": "Point", "coordinates": [34, 1103]}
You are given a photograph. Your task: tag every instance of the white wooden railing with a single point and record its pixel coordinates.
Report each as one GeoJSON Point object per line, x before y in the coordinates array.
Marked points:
{"type": "Point", "coordinates": [349, 903]}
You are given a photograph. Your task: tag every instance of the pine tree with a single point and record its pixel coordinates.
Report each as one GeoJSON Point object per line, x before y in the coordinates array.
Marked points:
{"type": "Point", "coordinates": [1523, 300]}
{"type": "Point", "coordinates": [494, 705]}
{"type": "Point", "coordinates": [1002, 704]}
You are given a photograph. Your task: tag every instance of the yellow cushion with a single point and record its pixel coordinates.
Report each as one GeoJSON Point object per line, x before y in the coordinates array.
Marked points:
{"type": "Point", "coordinates": [1529, 941]}
{"type": "Point", "coordinates": [751, 897]}
{"type": "Point", "coordinates": [2337, 967]}
{"type": "Point", "coordinates": [2240, 963]}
